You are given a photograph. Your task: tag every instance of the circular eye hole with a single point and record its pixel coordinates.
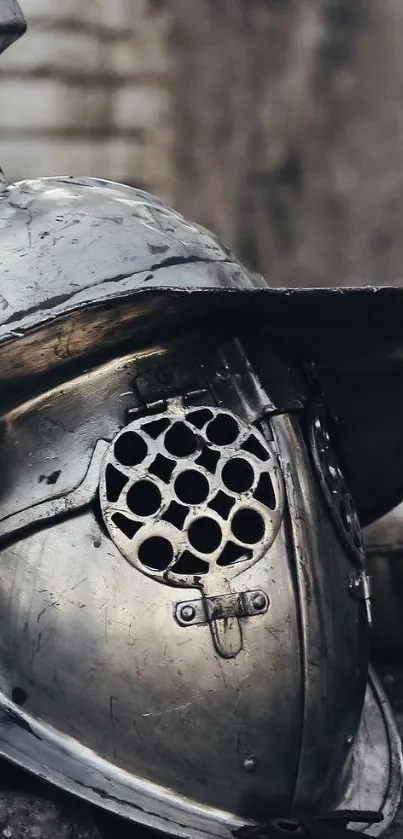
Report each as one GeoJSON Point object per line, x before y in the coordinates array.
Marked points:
{"type": "Point", "coordinates": [248, 526]}
{"type": "Point", "coordinates": [192, 487]}
{"type": "Point", "coordinates": [156, 553]}
{"type": "Point", "coordinates": [144, 498]}
{"type": "Point", "coordinates": [222, 430]}
{"type": "Point", "coordinates": [238, 475]}
{"type": "Point", "coordinates": [130, 449]}
{"type": "Point", "coordinates": [205, 535]}
{"type": "Point", "coordinates": [180, 440]}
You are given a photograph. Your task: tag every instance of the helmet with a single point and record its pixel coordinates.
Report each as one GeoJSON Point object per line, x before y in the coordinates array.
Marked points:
{"type": "Point", "coordinates": [184, 601]}
{"type": "Point", "coordinates": [183, 589]}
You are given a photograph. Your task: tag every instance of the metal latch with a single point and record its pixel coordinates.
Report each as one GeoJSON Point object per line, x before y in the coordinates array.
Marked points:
{"type": "Point", "coordinates": [227, 608]}
{"type": "Point", "coordinates": [360, 588]}
{"type": "Point", "coordinates": [245, 604]}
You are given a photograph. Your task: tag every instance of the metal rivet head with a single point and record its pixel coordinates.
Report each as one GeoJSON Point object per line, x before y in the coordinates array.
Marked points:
{"type": "Point", "coordinates": [356, 584]}
{"type": "Point", "coordinates": [259, 602]}
{"type": "Point", "coordinates": [187, 613]}
{"type": "Point", "coordinates": [250, 764]}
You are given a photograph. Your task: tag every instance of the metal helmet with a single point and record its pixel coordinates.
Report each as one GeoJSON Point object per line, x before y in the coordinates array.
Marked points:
{"type": "Point", "coordinates": [184, 605]}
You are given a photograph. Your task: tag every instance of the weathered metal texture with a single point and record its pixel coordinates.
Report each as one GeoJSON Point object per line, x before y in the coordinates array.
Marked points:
{"type": "Point", "coordinates": [169, 730]}
{"type": "Point", "coordinates": [89, 266]}
{"type": "Point", "coordinates": [190, 514]}
{"type": "Point", "coordinates": [392, 682]}
{"type": "Point", "coordinates": [92, 243]}
{"type": "Point", "coordinates": [251, 118]}
{"type": "Point", "coordinates": [378, 730]}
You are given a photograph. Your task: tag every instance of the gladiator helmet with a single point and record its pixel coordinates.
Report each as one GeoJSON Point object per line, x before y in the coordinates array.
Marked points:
{"type": "Point", "coordinates": [184, 602]}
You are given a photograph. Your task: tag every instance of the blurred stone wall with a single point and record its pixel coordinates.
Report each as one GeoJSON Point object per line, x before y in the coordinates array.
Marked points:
{"type": "Point", "coordinates": [290, 133]}
{"type": "Point", "coordinates": [86, 92]}
{"type": "Point", "coordinates": [277, 123]}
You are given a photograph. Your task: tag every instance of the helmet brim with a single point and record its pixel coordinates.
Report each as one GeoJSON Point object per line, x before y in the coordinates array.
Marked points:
{"type": "Point", "coordinates": [354, 337]}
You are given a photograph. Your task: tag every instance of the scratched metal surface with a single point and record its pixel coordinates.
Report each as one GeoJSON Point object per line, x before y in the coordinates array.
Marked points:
{"type": "Point", "coordinates": [77, 241]}
{"type": "Point", "coordinates": [30, 809]}
{"type": "Point", "coordinates": [89, 265]}
{"type": "Point", "coordinates": [392, 680]}
{"type": "Point", "coordinates": [69, 244]}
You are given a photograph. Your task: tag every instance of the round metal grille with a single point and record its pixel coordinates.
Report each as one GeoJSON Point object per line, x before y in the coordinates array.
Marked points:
{"type": "Point", "coordinates": [191, 495]}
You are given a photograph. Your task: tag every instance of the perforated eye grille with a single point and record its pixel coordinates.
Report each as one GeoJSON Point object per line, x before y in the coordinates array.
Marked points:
{"type": "Point", "coordinates": [191, 493]}
{"type": "Point", "coordinates": [336, 492]}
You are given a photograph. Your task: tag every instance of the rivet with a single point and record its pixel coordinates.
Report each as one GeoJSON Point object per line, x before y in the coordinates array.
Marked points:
{"type": "Point", "coordinates": [259, 602]}
{"type": "Point", "coordinates": [356, 584]}
{"type": "Point", "coordinates": [187, 613]}
{"type": "Point", "coordinates": [250, 764]}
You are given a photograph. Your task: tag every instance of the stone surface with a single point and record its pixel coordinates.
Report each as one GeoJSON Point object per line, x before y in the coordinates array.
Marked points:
{"type": "Point", "coordinates": [26, 816]}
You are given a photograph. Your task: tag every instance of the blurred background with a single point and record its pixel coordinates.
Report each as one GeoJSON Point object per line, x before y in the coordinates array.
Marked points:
{"type": "Point", "coordinates": [277, 123]}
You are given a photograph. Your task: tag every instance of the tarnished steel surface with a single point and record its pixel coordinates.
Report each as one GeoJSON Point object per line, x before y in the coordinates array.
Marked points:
{"type": "Point", "coordinates": [71, 244]}
{"type": "Point", "coordinates": [81, 241]}
{"type": "Point", "coordinates": [90, 266]}
{"type": "Point", "coordinates": [392, 681]}
{"type": "Point", "coordinates": [378, 734]}
{"type": "Point", "coordinates": [31, 808]}
{"type": "Point", "coordinates": [178, 722]}
{"type": "Point", "coordinates": [168, 730]}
